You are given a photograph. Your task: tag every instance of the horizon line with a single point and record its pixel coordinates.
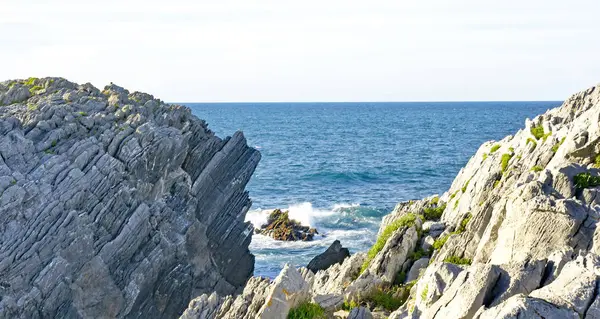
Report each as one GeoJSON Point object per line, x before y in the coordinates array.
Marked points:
{"type": "Point", "coordinates": [348, 102]}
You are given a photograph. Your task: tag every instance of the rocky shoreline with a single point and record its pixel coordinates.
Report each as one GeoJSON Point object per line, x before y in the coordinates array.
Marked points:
{"type": "Point", "coordinates": [515, 236]}
{"type": "Point", "coordinates": [116, 205]}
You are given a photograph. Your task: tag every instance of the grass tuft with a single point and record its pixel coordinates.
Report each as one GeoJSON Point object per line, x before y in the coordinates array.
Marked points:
{"type": "Point", "coordinates": [495, 148]}
{"type": "Point", "coordinates": [586, 180]}
{"type": "Point", "coordinates": [307, 310]}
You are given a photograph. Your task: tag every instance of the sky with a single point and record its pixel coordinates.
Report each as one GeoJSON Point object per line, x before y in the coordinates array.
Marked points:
{"type": "Point", "coordinates": [309, 50]}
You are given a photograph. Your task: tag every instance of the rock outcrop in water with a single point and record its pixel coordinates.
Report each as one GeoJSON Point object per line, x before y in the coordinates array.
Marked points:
{"type": "Point", "coordinates": [515, 236]}
{"type": "Point", "coordinates": [114, 204]}
{"type": "Point", "coordinates": [280, 226]}
{"type": "Point", "coordinates": [335, 254]}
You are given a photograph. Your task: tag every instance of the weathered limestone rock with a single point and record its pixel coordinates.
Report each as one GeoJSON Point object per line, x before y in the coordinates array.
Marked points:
{"type": "Point", "coordinates": [114, 204]}
{"type": "Point", "coordinates": [335, 254]}
{"type": "Point", "coordinates": [575, 286]}
{"type": "Point", "coordinates": [337, 277]}
{"type": "Point", "coordinates": [466, 294]}
{"type": "Point", "coordinates": [520, 306]}
{"type": "Point", "coordinates": [288, 290]}
{"type": "Point", "coordinates": [390, 259]}
{"type": "Point", "coordinates": [416, 269]}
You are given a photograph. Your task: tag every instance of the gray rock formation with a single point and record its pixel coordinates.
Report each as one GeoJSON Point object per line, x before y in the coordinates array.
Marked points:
{"type": "Point", "coordinates": [114, 204]}
{"type": "Point", "coordinates": [335, 254]}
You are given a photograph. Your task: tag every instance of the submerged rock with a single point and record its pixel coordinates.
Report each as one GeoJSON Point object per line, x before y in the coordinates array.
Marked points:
{"type": "Point", "coordinates": [114, 204]}
{"type": "Point", "coordinates": [335, 254]}
{"type": "Point", "coordinates": [279, 226]}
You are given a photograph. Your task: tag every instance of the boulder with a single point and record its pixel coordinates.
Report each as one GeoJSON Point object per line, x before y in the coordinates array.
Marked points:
{"type": "Point", "coordinates": [416, 268]}
{"type": "Point", "coordinates": [287, 291]}
{"type": "Point", "coordinates": [335, 254]}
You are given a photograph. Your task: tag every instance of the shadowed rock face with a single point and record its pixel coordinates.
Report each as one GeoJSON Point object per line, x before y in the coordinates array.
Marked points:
{"type": "Point", "coordinates": [114, 204]}
{"type": "Point", "coordinates": [335, 254]}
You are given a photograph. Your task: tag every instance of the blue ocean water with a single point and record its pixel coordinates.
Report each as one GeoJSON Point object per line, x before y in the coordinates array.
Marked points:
{"type": "Point", "coordinates": [341, 166]}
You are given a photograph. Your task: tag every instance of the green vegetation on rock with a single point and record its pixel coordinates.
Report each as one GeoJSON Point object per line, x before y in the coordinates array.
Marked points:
{"type": "Point", "coordinates": [557, 145]}
{"type": "Point", "coordinates": [439, 243]}
{"type": "Point", "coordinates": [434, 213]}
{"type": "Point", "coordinates": [463, 224]}
{"type": "Point", "coordinates": [586, 180]}
{"type": "Point", "coordinates": [504, 161]}
{"type": "Point", "coordinates": [307, 310]}
{"type": "Point", "coordinates": [407, 220]}
{"type": "Point", "coordinates": [537, 132]}
{"type": "Point", "coordinates": [464, 188]}
{"type": "Point", "coordinates": [349, 305]}
{"type": "Point", "coordinates": [457, 260]}
{"type": "Point", "coordinates": [532, 141]}
{"type": "Point", "coordinates": [390, 298]}
{"type": "Point", "coordinates": [495, 148]}
{"type": "Point", "coordinates": [537, 168]}
{"type": "Point", "coordinates": [424, 292]}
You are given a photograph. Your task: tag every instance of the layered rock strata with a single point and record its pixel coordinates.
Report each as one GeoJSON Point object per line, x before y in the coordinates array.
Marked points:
{"type": "Point", "coordinates": [114, 204]}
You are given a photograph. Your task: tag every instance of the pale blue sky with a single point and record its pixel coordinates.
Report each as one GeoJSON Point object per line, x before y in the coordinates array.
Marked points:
{"type": "Point", "coordinates": [184, 50]}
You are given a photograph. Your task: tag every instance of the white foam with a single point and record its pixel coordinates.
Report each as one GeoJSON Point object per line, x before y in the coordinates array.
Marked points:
{"type": "Point", "coordinates": [342, 206]}
{"type": "Point", "coordinates": [305, 213]}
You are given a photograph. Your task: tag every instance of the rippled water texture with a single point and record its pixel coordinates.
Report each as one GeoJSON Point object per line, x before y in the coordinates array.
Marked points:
{"type": "Point", "coordinates": [341, 166]}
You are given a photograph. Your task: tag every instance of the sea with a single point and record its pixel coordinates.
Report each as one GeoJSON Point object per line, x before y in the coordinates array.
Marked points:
{"type": "Point", "coordinates": [340, 167]}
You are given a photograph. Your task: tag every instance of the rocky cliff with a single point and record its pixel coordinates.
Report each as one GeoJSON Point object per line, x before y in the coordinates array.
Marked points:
{"type": "Point", "coordinates": [114, 204]}
{"type": "Point", "coordinates": [515, 236]}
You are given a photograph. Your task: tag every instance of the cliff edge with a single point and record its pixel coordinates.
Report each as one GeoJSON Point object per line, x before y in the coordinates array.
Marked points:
{"type": "Point", "coordinates": [114, 204]}
{"type": "Point", "coordinates": [516, 236]}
